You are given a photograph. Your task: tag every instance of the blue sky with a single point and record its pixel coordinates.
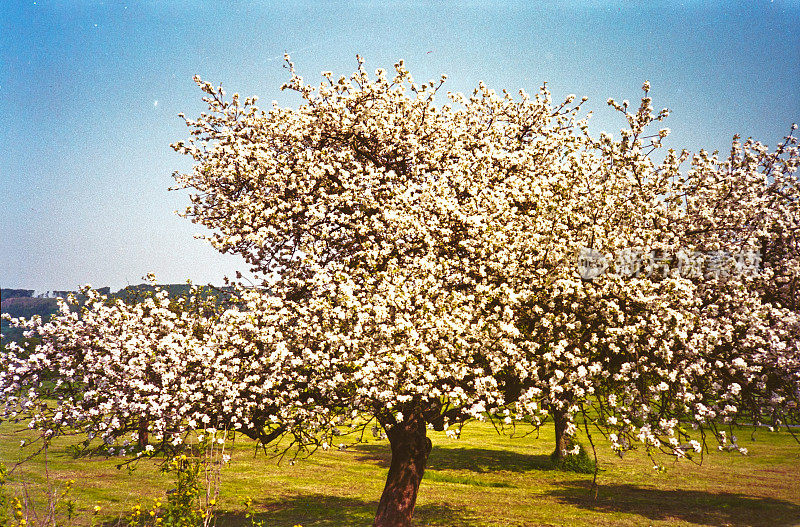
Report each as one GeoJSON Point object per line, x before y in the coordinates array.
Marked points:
{"type": "Point", "coordinates": [90, 92]}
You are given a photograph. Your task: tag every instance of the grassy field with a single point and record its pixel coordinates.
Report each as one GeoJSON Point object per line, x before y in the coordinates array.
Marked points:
{"type": "Point", "coordinates": [481, 479]}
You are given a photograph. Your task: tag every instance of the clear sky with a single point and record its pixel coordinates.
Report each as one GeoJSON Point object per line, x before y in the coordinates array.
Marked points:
{"type": "Point", "coordinates": [90, 91]}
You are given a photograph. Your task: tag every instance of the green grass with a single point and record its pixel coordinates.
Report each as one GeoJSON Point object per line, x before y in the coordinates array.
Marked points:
{"type": "Point", "coordinates": [482, 479]}
{"type": "Point", "coordinates": [444, 477]}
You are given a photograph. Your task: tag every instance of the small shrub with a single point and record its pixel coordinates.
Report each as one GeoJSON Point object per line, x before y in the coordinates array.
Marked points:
{"type": "Point", "coordinates": [184, 507]}
{"type": "Point", "coordinates": [580, 462]}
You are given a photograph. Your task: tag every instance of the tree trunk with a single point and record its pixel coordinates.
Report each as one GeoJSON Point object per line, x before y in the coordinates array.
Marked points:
{"type": "Point", "coordinates": [144, 437]}
{"type": "Point", "coordinates": [410, 449]}
{"type": "Point", "coordinates": [562, 441]}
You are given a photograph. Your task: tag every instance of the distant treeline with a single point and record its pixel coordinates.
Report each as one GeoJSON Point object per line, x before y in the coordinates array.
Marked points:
{"type": "Point", "coordinates": [29, 293]}
{"type": "Point", "coordinates": [25, 306]}
{"type": "Point", "coordinates": [16, 293]}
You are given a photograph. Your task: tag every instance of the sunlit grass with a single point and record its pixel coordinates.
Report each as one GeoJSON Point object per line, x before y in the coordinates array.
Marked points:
{"type": "Point", "coordinates": [481, 479]}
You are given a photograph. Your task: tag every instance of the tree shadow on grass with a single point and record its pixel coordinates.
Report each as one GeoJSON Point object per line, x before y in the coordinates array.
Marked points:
{"type": "Point", "coordinates": [479, 460]}
{"type": "Point", "coordinates": [707, 508]}
{"type": "Point", "coordinates": [319, 510]}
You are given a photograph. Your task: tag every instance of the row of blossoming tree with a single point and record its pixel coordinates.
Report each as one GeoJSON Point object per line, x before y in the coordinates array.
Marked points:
{"type": "Point", "coordinates": [421, 265]}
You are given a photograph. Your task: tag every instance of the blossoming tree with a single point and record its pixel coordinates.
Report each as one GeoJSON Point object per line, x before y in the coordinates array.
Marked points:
{"type": "Point", "coordinates": [423, 265]}
{"type": "Point", "coordinates": [139, 377]}
{"type": "Point", "coordinates": [426, 259]}
{"type": "Point", "coordinates": [672, 320]}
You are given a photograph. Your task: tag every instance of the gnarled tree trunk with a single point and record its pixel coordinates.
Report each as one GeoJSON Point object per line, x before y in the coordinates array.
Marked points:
{"type": "Point", "coordinates": [410, 450]}
{"type": "Point", "coordinates": [144, 437]}
{"type": "Point", "coordinates": [562, 441]}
